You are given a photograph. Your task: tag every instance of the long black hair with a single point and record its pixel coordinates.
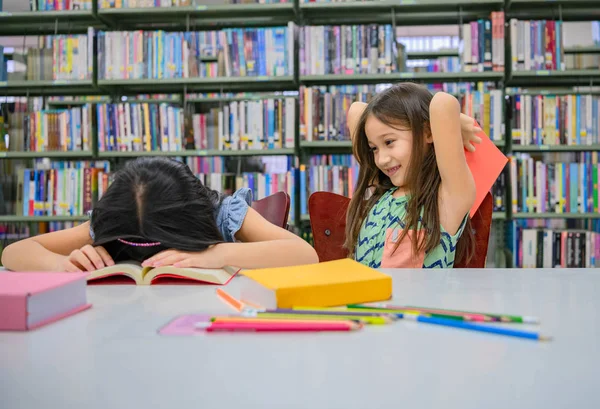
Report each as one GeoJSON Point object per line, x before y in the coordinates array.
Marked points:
{"type": "Point", "coordinates": [155, 200]}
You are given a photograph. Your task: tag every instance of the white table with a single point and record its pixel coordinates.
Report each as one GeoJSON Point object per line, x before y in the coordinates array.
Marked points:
{"type": "Point", "coordinates": [112, 357]}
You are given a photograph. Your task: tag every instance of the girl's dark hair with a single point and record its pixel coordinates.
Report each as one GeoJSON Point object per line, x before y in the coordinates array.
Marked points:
{"type": "Point", "coordinates": [155, 200]}
{"type": "Point", "coordinates": [405, 105]}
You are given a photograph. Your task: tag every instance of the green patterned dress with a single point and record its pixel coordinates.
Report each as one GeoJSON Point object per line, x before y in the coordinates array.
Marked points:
{"type": "Point", "coordinates": [379, 235]}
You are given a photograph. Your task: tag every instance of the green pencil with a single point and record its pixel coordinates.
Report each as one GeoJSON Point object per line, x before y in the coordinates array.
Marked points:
{"type": "Point", "coordinates": [450, 316]}
{"type": "Point", "coordinates": [428, 310]}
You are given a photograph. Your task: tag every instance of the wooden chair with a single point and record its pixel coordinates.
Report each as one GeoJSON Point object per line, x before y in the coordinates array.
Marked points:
{"type": "Point", "coordinates": [482, 224]}
{"type": "Point", "coordinates": [275, 208]}
{"type": "Point", "coordinates": [328, 223]}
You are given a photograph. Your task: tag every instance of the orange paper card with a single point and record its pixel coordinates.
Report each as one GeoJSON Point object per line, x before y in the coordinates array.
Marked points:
{"type": "Point", "coordinates": [486, 164]}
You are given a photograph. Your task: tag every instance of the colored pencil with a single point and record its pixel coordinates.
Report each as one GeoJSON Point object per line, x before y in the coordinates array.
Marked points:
{"type": "Point", "coordinates": [377, 320]}
{"type": "Point", "coordinates": [496, 317]}
{"type": "Point", "coordinates": [451, 316]}
{"type": "Point", "coordinates": [477, 327]}
{"type": "Point", "coordinates": [328, 311]}
{"type": "Point", "coordinates": [276, 327]}
{"type": "Point", "coordinates": [229, 300]}
{"type": "Point", "coordinates": [278, 320]}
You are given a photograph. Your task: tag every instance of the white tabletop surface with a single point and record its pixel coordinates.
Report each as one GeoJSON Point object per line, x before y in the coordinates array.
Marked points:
{"type": "Point", "coordinates": [112, 357]}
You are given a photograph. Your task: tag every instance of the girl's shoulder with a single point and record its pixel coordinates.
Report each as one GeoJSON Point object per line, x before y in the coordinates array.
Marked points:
{"type": "Point", "coordinates": [231, 212]}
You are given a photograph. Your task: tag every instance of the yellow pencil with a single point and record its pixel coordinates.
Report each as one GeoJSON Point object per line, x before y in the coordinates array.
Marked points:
{"type": "Point", "coordinates": [377, 320]}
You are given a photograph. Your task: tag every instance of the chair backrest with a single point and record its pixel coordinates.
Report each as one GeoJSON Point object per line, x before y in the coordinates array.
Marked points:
{"type": "Point", "coordinates": [482, 224]}
{"type": "Point", "coordinates": [328, 223]}
{"type": "Point", "coordinates": [275, 208]}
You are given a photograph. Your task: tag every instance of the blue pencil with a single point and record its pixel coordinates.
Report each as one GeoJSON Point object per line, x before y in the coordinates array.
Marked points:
{"type": "Point", "coordinates": [475, 327]}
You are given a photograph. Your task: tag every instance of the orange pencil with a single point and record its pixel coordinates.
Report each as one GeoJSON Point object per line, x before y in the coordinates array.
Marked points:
{"type": "Point", "coordinates": [229, 300]}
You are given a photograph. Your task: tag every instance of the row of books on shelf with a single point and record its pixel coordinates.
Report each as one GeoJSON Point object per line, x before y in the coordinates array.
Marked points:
{"type": "Point", "coordinates": [124, 4]}
{"type": "Point", "coordinates": [323, 109]}
{"type": "Point", "coordinates": [269, 51]}
{"type": "Point", "coordinates": [58, 188]}
{"type": "Point", "coordinates": [552, 246]}
{"type": "Point", "coordinates": [53, 130]}
{"type": "Point", "coordinates": [243, 125]}
{"type": "Point", "coordinates": [270, 123]}
{"type": "Point", "coordinates": [537, 45]}
{"type": "Point", "coordinates": [553, 186]}
{"type": "Point", "coordinates": [555, 119]}
{"type": "Point", "coordinates": [238, 52]}
{"type": "Point", "coordinates": [56, 57]}
{"type": "Point", "coordinates": [482, 47]}
{"type": "Point", "coordinates": [60, 5]}
{"type": "Point", "coordinates": [351, 49]}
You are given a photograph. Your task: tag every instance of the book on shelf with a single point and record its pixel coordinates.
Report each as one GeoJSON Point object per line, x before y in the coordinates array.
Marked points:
{"type": "Point", "coordinates": [555, 185]}
{"type": "Point", "coordinates": [132, 271]}
{"type": "Point", "coordinates": [555, 119]}
{"type": "Point", "coordinates": [29, 300]}
{"type": "Point", "coordinates": [537, 45]}
{"type": "Point", "coordinates": [239, 52]}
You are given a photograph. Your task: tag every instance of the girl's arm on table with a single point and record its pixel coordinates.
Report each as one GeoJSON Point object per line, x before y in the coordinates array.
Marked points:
{"type": "Point", "coordinates": [262, 245]}
{"type": "Point", "coordinates": [65, 250]}
{"type": "Point", "coordinates": [457, 190]}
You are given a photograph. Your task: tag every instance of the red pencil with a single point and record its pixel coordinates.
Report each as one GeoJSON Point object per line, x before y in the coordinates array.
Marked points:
{"type": "Point", "coordinates": [276, 327]}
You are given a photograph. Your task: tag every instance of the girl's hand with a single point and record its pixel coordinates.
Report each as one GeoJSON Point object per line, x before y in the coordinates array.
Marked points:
{"type": "Point", "coordinates": [213, 257]}
{"type": "Point", "coordinates": [87, 258]}
{"type": "Point", "coordinates": [469, 132]}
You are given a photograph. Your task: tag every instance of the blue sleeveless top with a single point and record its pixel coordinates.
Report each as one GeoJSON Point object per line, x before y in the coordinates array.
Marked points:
{"type": "Point", "coordinates": [229, 215]}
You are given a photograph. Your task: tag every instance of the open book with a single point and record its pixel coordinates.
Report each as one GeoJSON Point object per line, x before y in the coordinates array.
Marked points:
{"type": "Point", "coordinates": [125, 271]}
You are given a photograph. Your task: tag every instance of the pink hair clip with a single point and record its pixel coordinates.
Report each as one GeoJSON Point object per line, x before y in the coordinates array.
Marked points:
{"type": "Point", "coordinates": [130, 243]}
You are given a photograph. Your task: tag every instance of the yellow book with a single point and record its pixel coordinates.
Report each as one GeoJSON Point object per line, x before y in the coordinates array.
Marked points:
{"type": "Point", "coordinates": [327, 284]}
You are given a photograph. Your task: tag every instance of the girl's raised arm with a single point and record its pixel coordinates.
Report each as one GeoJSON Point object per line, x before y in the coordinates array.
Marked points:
{"type": "Point", "coordinates": [353, 116]}
{"type": "Point", "coordinates": [457, 190]}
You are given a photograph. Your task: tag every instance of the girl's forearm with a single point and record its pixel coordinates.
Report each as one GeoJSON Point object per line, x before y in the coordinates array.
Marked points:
{"type": "Point", "coordinates": [29, 255]}
{"type": "Point", "coordinates": [265, 254]}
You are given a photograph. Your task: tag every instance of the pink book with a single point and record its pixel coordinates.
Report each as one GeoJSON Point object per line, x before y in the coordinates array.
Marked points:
{"type": "Point", "coordinates": [486, 164]}
{"type": "Point", "coordinates": [31, 300]}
